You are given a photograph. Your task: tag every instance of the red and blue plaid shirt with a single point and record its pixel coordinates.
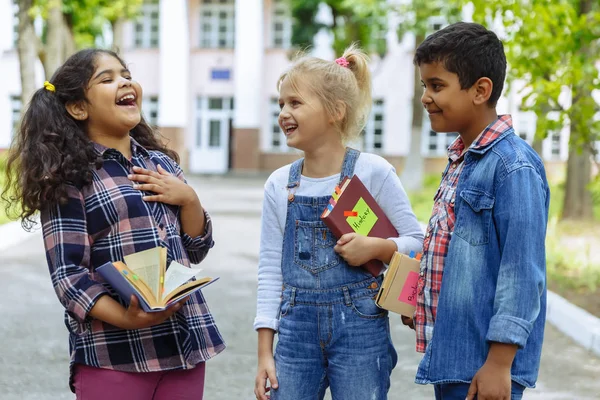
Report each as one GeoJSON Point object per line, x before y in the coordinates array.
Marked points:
{"type": "Point", "coordinates": [106, 221]}
{"type": "Point", "coordinates": [439, 231]}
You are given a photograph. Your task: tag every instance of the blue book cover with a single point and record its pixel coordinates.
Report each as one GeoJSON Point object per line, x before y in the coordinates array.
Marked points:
{"type": "Point", "coordinates": [115, 276]}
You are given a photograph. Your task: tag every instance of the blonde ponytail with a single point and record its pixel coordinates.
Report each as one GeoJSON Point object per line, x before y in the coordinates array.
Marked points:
{"type": "Point", "coordinates": [347, 80]}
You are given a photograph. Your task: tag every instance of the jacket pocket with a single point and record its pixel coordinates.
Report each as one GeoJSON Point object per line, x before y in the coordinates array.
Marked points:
{"type": "Point", "coordinates": [474, 217]}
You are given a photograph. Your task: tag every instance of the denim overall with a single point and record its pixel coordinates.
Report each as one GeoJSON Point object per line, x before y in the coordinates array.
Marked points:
{"type": "Point", "coordinates": [331, 333]}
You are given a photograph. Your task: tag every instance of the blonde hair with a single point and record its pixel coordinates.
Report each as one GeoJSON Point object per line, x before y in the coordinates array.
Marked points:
{"type": "Point", "coordinates": [333, 83]}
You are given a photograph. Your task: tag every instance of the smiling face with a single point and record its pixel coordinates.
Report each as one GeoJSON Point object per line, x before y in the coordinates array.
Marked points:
{"type": "Point", "coordinates": [114, 100]}
{"type": "Point", "coordinates": [450, 108]}
{"type": "Point", "coordinates": [303, 118]}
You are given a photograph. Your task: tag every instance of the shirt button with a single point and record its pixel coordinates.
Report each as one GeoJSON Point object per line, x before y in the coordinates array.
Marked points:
{"type": "Point", "coordinates": [373, 285]}
{"type": "Point", "coordinates": [161, 226]}
{"type": "Point", "coordinates": [452, 200]}
{"type": "Point", "coordinates": [453, 166]}
{"type": "Point", "coordinates": [422, 273]}
{"type": "Point", "coordinates": [427, 235]}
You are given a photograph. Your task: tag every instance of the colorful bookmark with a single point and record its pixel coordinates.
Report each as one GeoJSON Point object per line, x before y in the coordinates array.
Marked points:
{"type": "Point", "coordinates": [350, 214]}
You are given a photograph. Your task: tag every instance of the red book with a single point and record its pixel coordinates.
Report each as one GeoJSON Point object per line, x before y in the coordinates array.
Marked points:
{"type": "Point", "coordinates": [353, 209]}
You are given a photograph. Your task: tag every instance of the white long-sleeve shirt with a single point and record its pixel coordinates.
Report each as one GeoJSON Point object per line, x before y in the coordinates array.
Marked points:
{"type": "Point", "coordinates": [379, 177]}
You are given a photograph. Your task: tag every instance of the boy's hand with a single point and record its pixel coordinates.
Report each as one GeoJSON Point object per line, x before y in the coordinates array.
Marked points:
{"type": "Point", "coordinates": [355, 249]}
{"type": "Point", "coordinates": [136, 318]}
{"type": "Point", "coordinates": [266, 371]}
{"type": "Point", "coordinates": [491, 382]}
{"type": "Point", "coordinates": [408, 321]}
{"type": "Point", "coordinates": [168, 188]}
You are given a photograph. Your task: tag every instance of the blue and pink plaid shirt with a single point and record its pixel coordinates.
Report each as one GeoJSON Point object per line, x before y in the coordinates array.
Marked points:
{"type": "Point", "coordinates": [440, 229]}
{"type": "Point", "coordinates": [106, 221]}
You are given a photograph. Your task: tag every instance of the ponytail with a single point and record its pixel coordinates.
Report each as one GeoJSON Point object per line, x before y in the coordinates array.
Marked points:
{"type": "Point", "coordinates": [347, 80]}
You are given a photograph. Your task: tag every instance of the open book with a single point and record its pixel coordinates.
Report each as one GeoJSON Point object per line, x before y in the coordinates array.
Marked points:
{"type": "Point", "coordinates": [145, 274]}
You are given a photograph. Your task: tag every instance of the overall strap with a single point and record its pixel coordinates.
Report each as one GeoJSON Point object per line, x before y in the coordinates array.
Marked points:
{"type": "Point", "coordinates": [349, 163]}
{"type": "Point", "coordinates": [294, 178]}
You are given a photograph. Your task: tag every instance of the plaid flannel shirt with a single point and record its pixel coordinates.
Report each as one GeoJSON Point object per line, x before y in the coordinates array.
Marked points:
{"type": "Point", "coordinates": [103, 222]}
{"type": "Point", "coordinates": [439, 231]}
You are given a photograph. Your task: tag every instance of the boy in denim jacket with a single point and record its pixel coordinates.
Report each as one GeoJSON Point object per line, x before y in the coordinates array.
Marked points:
{"type": "Point", "coordinates": [482, 291]}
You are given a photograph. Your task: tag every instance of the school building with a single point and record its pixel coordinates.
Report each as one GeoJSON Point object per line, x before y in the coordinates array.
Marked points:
{"type": "Point", "coordinates": [209, 69]}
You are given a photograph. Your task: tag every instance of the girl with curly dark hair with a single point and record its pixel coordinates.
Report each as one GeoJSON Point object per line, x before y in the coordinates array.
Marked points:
{"type": "Point", "coordinates": [105, 187]}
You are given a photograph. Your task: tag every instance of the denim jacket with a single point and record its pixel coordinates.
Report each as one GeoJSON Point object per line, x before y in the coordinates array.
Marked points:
{"type": "Point", "coordinates": [494, 280]}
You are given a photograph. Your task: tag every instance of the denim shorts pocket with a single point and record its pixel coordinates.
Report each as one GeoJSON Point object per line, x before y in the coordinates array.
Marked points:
{"type": "Point", "coordinates": [474, 218]}
{"type": "Point", "coordinates": [365, 307]}
{"type": "Point", "coordinates": [313, 246]}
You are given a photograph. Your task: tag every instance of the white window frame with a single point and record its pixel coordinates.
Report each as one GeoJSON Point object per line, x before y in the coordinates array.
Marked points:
{"type": "Point", "coordinates": [15, 107]}
{"type": "Point", "coordinates": [205, 110]}
{"type": "Point", "coordinates": [525, 125]}
{"type": "Point", "coordinates": [277, 140]}
{"type": "Point", "coordinates": [150, 109]}
{"type": "Point", "coordinates": [147, 26]}
{"type": "Point", "coordinates": [219, 17]}
{"type": "Point", "coordinates": [372, 142]}
{"type": "Point", "coordinates": [281, 16]}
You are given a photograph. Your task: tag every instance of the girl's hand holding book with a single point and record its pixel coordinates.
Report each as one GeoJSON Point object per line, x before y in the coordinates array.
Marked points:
{"type": "Point", "coordinates": [357, 249]}
{"type": "Point", "coordinates": [168, 188]}
{"type": "Point", "coordinates": [136, 318]}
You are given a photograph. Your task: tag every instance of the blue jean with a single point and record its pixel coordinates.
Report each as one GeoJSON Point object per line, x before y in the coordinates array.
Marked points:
{"type": "Point", "coordinates": [337, 340]}
{"type": "Point", "coordinates": [458, 391]}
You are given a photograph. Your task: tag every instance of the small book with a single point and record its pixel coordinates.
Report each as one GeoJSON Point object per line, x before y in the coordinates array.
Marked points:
{"type": "Point", "coordinates": [398, 292]}
{"type": "Point", "coordinates": [145, 274]}
{"type": "Point", "coordinates": [353, 209]}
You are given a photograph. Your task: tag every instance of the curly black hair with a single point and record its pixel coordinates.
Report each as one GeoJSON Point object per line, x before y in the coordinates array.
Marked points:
{"type": "Point", "coordinates": [52, 149]}
{"type": "Point", "coordinates": [469, 50]}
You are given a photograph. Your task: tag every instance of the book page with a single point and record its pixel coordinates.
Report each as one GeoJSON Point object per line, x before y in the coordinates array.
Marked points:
{"type": "Point", "coordinates": [176, 276]}
{"type": "Point", "coordinates": [146, 265]}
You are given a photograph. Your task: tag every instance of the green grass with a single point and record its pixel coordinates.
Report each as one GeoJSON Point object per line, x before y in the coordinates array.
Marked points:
{"type": "Point", "coordinates": [572, 265]}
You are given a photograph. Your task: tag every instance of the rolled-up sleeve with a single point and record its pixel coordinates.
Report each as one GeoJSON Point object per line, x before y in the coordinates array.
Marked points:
{"type": "Point", "coordinates": [198, 247]}
{"type": "Point", "coordinates": [68, 254]}
{"type": "Point", "coordinates": [521, 215]}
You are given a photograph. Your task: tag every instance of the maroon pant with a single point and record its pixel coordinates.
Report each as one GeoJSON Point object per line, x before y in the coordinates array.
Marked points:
{"type": "Point", "coordinates": [102, 384]}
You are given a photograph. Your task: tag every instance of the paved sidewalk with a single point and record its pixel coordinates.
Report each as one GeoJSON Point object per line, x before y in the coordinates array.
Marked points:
{"type": "Point", "coordinates": [33, 349]}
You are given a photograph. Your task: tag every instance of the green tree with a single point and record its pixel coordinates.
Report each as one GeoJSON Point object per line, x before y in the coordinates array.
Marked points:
{"type": "Point", "coordinates": [553, 47]}
{"type": "Point", "coordinates": [67, 25]}
{"type": "Point", "coordinates": [366, 28]}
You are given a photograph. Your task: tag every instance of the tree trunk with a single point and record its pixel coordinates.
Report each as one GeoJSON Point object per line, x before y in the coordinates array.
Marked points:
{"type": "Point", "coordinates": [578, 199]}
{"type": "Point", "coordinates": [69, 45]}
{"type": "Point", "coordinates": [413, 172]}
{"type": "Point", "coordinates": [27, 51]}
{"type": "Point", "coordinates": [117, 29]}
{"type": "Point", "coordinates": [55, 48]}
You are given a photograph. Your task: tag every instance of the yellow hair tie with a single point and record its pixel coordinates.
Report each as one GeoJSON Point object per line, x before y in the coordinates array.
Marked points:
{"type": "Point", "coordinates": [49, 86]}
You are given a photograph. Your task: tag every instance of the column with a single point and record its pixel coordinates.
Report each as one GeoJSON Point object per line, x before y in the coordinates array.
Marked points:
{"type": "Point", "coordinates": [249, 54]}
{"type": "Point", "coordinates": [174, 74]}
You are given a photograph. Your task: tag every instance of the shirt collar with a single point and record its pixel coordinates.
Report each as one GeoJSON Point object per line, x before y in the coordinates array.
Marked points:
{"type": "Point", "coordinates": [136, 148]}
{"type": "Point", "coordinates": [489, 135]}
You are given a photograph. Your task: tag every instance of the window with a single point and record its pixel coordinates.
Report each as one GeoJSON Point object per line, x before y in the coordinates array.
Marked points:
{"type": "Point", "coordinates": [276, 135]}
{"type": "Point", "coordinates": [281, 33]}
{"type": "Point", "coordinates": [373, 133]}
{"type": "Point", "coordinates": [213, 120]}
{"type": "Point", "coordinates": [525, 125]}
{"type": "Point", "coordinates": [437, 23]}
{"type": "Point", "coordinates": [555, 145]}
{"type": "Point", "coordinates": [217, 24]}
{"type": "Point", "coordinates": [15, 106]}
{"type": "Point", "coordinates": [150, 109]}
{"type": "Point", "coordinates": [146, 26]}
{"type": "Point", "coordinates": [15, 8]}
{"type": "Point", "coordinates": [435, 144]}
